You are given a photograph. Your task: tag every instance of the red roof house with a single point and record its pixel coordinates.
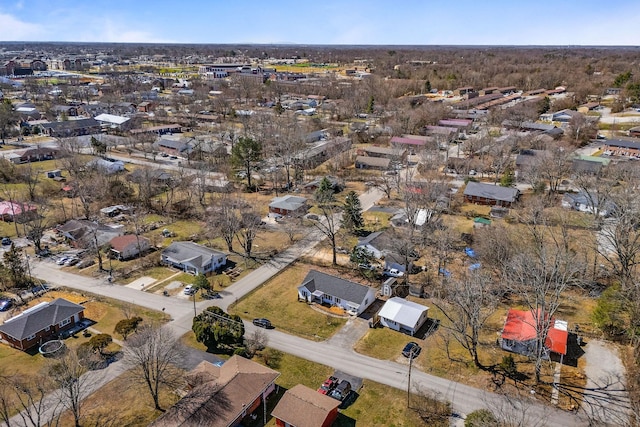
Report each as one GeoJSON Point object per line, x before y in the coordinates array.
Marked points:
{"type": "Point", "coordinates": [11, 211]}
{"type": "Point", "coordinates": [128, 246]}
{"type": "Point", "coordinates": [519, 334]}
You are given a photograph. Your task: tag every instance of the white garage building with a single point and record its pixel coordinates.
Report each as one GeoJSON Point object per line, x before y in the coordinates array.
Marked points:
{"type": "Point", "coordinates": [402, 315]}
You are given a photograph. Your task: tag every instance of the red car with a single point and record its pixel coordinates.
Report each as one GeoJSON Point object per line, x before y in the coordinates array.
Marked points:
{"type": "Point", "coordinates": [328, 385]}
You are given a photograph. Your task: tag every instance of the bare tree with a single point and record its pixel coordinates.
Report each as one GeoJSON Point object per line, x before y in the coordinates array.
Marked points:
{"type": "Point", "coordinates": [31, 397]}
{"type": "Point", "coordinates": [67, 375]}
{"type": "Point", "coordinates": [330, 218]}
{"type": "Point", "coordinates": [257, 341]}
{"type": "Point", "coordinates": [36, 225]}
{"type": "Point", "coordinates": [467, 305]}
{"type": "Point", "coordinates": [153, 354]}
{"type": "Point", "coordinates": [250, 224]}
{"type": "Point", "coordinates": [518, 410]}
{"type": "Point", "coordinates": [224, 218]}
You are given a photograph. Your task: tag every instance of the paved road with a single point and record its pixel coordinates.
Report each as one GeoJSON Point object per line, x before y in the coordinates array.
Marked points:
{"type": "Point", "coordinates": [464, 398]}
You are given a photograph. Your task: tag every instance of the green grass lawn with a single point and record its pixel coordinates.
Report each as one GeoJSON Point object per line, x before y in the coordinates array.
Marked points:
{"type": "Point", "coordinates": [277, 300]}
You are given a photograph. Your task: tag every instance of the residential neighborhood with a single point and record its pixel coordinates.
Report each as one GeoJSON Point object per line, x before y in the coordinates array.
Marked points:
{"type": "Point", "coordinates": [342, 237]}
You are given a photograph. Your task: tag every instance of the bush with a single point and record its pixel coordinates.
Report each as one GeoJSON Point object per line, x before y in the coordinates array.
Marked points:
{"type": "Point", "coordinates": [241, 351]}
{"type": "Point", "coordinates": [480, 418]}
{"type": "Point", "coordinates": [126, 327]}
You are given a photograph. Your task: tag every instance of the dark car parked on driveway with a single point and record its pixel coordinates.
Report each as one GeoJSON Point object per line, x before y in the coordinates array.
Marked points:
{"type": "Point", "coordinates": [5, 304]}
{"type": "Point", "coordinates": [263, 323]}
{"type": "Point", "coordinates": [411, 350]}
{"type": "Point", "coordinates": [341, 391]}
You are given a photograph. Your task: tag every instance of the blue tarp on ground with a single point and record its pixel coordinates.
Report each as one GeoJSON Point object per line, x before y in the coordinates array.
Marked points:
{"type": "Point", "coordinates": [470, 252]}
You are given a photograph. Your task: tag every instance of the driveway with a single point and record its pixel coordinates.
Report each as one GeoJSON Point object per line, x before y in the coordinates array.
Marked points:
{"type": "Point", "coordinates": [350, 333]}
{"type": "Point", "coordinates": [605, 397]}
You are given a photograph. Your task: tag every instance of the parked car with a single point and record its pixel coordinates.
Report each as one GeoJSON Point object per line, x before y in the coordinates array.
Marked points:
{"type": "Point", "coordinates": [341, 391]}
{"type": "Point", "coordinates": [62, 260]}
{"type": "Point", "coordinates": [411, 350]}
{"type": "Point", "coordinates": [328, 385]}
{"type": "Point", "coordinates": [87, 262]}
{"type": "Point", "coordinates": [189, 290]}
{"type": "Point", "coordinates": [211, 295]}
{"type": "Point", "coordinates": [262, 322]}
{"type": "Point", "coordinates": [393, 272]}
{"type": "Point", "coordinates": [6, 241]}
{"type": "Point", "coordinates": [71, 261]}
{"type": "Point", "coordinates": [5, 304]}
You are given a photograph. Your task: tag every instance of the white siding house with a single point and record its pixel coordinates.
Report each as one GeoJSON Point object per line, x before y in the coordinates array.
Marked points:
{"type": "Point", "coordinates": [402, 315]}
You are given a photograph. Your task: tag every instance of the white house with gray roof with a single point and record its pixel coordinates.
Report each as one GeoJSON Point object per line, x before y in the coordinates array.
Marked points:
{"type": "Point", "coordinates": [324, 288]}
{"type": "Point", "coordinates": [402, 315]}
{"type": "Point", "coordinates": [193, 258]}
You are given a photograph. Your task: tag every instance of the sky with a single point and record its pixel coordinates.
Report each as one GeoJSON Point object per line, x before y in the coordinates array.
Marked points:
{"type": "Point", "coordinates": [325, 22]}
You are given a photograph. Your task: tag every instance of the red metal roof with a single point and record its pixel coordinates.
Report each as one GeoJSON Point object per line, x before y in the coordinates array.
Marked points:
{"type": "Point", "coordinates": [520, 326]}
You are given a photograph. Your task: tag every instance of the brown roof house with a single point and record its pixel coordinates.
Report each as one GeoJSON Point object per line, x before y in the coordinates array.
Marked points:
{"type": "Point", "coordinates": [301, 406]}
{"type": "Point", "coordinates": [41, 323]}
{"type": "Point", "coordinates": [221, 396]}
{"type": "Point", "coordinates": [128, 246]}
{"type": "Point", "coordinates": [488, 194]}
{"type": "Point", "coordinates": [367, 162]}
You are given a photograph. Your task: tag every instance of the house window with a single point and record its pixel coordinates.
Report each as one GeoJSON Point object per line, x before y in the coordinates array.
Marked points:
{"type": "Point", "coordinates": [337, 300]}
{"type": "Point", "coordinates": [328, 297]}
{"type": "Point", "coordinates": [65, 322]}
{"type": "Point", "coordinates": [31, 337]}
{"type": "Point", "coordinates": [366, 301]}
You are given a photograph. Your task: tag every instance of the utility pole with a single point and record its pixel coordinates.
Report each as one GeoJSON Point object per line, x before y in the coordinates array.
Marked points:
{"type": "Point", "coordinates": [409, 379]}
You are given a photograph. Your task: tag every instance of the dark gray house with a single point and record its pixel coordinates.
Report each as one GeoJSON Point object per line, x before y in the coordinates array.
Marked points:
{"type": "Point", "coordinates": [324, 288]}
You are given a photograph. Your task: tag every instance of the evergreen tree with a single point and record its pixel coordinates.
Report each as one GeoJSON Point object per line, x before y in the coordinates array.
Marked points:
{"type": "Point", "coordinates": [15, 263]}
{"type": "Point", "coordinates": [371, 104]}
{"type": "Point", "coordinates": [216, 328]}
{"type": "Point", "coordinates": [352, 217]}
{"type": "Point", "coordinates": [245, 153]}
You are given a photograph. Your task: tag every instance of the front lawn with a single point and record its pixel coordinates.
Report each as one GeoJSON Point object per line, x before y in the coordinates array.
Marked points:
{"type": "Point", "coordinates": [277, 300]}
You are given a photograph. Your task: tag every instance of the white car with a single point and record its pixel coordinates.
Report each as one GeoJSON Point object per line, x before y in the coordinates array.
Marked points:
{"type": "Point", "coordinates": [188, 290]}
{"type": "Point", "coordinates": [62, 260]}
{"type": "Point", "coordinates": [393, 272]}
